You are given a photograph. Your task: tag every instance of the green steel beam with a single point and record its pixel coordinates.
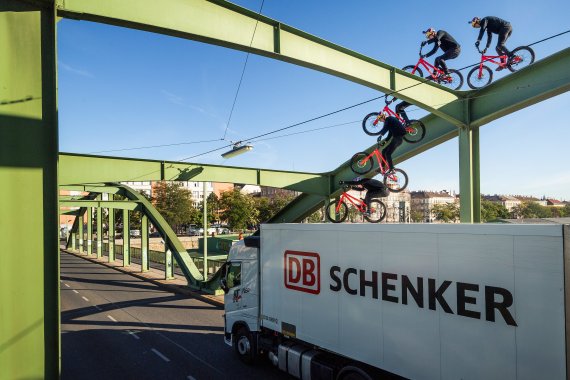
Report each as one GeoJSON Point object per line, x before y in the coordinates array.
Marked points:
{"type": "Point", "coordinates": [111, 235]}
{"type": "Point", "coordinates": [89, 231]}
{"type": "Point", "coordinates": [29, 299]}
{"type": "Point", "coordinates": [120, 205]}
{"type": "Point", "coordinates": [126, 238]}
{"type": "Point", "coordinates": [99, 232]}
{"type": "Point", "coordinates": [542, 80]}
{"type": "Point", "coordinates": [102, 189]}
{"type": "Point", "coordinates": [144, 244]}
{"type": "Point", "coordinates": [225, 24]}
{"type": "Point", "coordinates": [77, 168]}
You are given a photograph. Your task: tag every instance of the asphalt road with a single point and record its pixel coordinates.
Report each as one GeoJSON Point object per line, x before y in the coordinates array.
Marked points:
{"type": "Point", "coordinates": [116, 326]}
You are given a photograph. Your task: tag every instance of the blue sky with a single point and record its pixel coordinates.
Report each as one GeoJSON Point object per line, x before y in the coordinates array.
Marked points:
{"type": "Point", "coordinates": [122, 89]}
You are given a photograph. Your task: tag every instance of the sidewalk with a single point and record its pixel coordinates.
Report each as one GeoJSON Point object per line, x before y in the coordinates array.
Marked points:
{"type": "Point", "coordinates": [177, 285]}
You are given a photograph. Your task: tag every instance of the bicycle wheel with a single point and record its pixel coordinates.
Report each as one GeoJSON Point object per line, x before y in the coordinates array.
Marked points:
{"type": "Point", "coordinates": [377, 211]}
{"type": "Point", "coordinates": [360, 164]}
{"type": "Point", "coordinates": [416, 131]}
{"type": "Point", "coordinates": [410, 68]}
{"type": "Point", "coordinates": [475, 81]}
{"type": "Point", "coordinates": [396, 181]}
{"type": "Point", "coordinates": [454, 80]}
{"type": "Point", "coordinates": [522, 57]}
{"type": "Point", "coordinates": [333, 215]}
{"type": "Point", "coordinates": [368, 124]}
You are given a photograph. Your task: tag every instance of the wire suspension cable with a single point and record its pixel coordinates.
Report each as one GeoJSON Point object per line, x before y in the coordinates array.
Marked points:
{"type": "Point", "coordinates": [242, 74]}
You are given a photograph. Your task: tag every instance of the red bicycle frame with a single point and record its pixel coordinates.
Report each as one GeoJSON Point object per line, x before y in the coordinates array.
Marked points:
{"type": "Point", "coordinates": [382, 163]}
{"type": "Point", "coordinates": [389, 112]}
{"type": "Point", "coordinates": [431, 69]}
{"type": "Point", "coordinates": [359, 203]}
{"type": "Point", "coordinates": [491, 58]}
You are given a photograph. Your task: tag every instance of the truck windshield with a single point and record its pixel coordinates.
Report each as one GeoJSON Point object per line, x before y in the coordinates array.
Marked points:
{"type": "Point", "coordinates": [233, 277]}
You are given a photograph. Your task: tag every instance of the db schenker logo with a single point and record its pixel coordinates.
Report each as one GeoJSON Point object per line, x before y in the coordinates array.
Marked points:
{"type": "Point", "coordinates": [302, 271]}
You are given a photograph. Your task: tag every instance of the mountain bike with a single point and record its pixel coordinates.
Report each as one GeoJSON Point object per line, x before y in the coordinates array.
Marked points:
{"type": "Point", "coordinates": [362, 163]}
{"type": "Point", "coordinates": [453, 80]}
{"type": "Point", "coordinates": [482, 75]}
{"type": "Point", "coordinates": [338, 210]}
{"type": "Point", "coordinates": [372, 126]}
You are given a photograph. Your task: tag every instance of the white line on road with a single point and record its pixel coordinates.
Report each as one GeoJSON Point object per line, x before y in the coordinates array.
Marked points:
{"type": "Point", "coordinates": [134, 335]}
{"type": "Point", "coordinates": [66, 285]}
{"type": "Point", "coordinates": [191, 377]}
{"type": "Point", "coordinates": [160, 355]}
{"type": "Point", "coordinates": [85, 298]}
{"type": "Point", "coordinates": [75, 291]}
{"type": "Point", "coordinates": [111, 318]}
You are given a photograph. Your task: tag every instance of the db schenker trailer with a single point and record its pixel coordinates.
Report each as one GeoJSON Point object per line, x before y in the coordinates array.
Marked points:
{"type": "Point", "coordinates": [366, 301]}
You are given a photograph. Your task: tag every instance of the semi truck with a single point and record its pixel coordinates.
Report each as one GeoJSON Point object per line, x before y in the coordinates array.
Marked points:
{"type": "Point", "coordinates": [418, 301]}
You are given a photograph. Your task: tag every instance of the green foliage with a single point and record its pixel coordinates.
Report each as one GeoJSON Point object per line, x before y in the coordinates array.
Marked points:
{"type": "Point", "coordinates": [174, 203]}
{"type": "Point", "coordinates": [531, 210]}
{"type": "Point", "coordinates": [267, 208]}
{"type": "Point", "coordinates": [238, 209]}
{"type": "Point", "coordinates": [492, 211]}
{"type": "Point", "coordinates": [446, 212]}
{"type": "Point", "coordinates": [417, 216]}
{"type": "Point", "coordinates": [316, 217]}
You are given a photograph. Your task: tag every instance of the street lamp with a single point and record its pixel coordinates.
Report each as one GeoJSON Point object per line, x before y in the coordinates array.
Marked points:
{"type": "Point", "coordinates": [237, 150]}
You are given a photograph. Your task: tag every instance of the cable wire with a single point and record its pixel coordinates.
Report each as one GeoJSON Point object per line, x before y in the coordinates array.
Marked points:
{"type": "Point", "coordinates": [242, 74]}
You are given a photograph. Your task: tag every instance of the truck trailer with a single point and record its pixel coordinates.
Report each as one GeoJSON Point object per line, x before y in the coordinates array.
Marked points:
{"type": "Point", "coordinates": [418, 301]}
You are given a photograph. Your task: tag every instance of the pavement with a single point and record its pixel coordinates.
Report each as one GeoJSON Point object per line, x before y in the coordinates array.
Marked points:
{"type": "Point", "coordinates": [177, 285]}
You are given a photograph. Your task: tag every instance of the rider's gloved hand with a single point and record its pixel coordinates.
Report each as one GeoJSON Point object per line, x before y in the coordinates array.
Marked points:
{"type": "Point", "coordinates": [484, 51]}
{"type": "Point", "coordinates": [422, 55]}
{"type": "Point", "coordinates": [477, 43]}
{"type": "Point", "coordinates": [424, 43]}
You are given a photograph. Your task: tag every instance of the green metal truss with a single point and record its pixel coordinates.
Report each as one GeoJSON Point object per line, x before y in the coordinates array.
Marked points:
{"type": "Point", "coordinates": [137, 202]}
{"type": "Point", "coordinates": [225, 24]}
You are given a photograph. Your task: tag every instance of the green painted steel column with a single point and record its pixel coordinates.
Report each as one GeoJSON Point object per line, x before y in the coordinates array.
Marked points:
{"type": "Point", "coordinates": [144, 243]}
{"type": "Point", "coordinates": [111, 234]}
{"type": "Point", "coordinates": [205, 205]}
{"type": "Point", "coordinates": [465, 175]}
{"type": "Point", "coordinates": [73, 239]}
{"type": "Point", "coordinates": [126, 239]}
{"type": "Point", "coordinates": [99, 232]}
{"type": "Point", "coordinates": [168, 264]}
{"type": "Point", "coordinates": [29, 269]}
{"type": "Point", "coordinates": [476, 181]}
{"type": "Point", "coordinates": [80, 232]}
{"type": "Point", "coordinates": [89, 231]}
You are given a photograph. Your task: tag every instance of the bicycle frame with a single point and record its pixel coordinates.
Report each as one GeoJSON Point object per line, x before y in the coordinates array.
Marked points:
{"type": "Point", "coordinates": [359, 203]}
{"type": "Point", "coordinates": [382, 163]}
{"type": "Point", "coordinates": [433, 71]}
{"type": "Point", "coordinates": [491, 58]}
{"type": "Point", "coordinates": [389, 112]}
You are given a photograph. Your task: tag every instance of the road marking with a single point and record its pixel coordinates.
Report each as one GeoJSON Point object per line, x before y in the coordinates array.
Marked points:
{"type": "Point", "coordinates": [191, 377]}
{"type": "Point", "coordinates": [160, 355]}
{"type": "Point", "coordinates": [75, 291]}
{"type": "Point", "coordinates": [66, 285]}
{"type": "Point", "coordinates": [134, 335]}
{"type": "Point", "coordinates": [111, 318]}
{"type": "Point", "coordinates": [85, 298]}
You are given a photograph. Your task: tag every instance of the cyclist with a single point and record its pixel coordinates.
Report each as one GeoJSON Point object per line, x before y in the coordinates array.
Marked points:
{"type": "Point", "coordinates": [373, 187]}
{"type": "Point", "coordinates": [396, 132]}
{"type": "Point", "coordinates": [502, 28]}
{"type": "Point", "coordinates": [441, 39]}
{"type": "Point", "coordinates": [400, 110]}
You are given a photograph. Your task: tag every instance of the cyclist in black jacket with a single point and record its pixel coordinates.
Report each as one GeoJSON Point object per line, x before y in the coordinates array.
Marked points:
{"type": "Point", "coordinates": [441, 39]}
{"type": "Point", "coordinates": [492, 24]}
{"type": "Point", "coordinates": [396, 132]}
{"type": "Point", "coordinates": [373, 187]}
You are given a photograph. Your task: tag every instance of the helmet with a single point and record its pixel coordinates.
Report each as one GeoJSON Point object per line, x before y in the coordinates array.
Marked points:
{"type": "Point", "coordinates": [429, 32]}
{"type": "Point", "coordinates": [474, 21]}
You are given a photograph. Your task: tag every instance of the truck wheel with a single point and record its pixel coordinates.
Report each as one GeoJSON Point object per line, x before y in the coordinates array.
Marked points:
{"type": "Point", "coordinates": [353, 373]}
{"type": "Point", "coordinates": [244, 345]}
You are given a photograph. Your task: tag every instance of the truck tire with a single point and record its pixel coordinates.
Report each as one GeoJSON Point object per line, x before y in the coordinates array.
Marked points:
{"type": "Point", "coordinates": [244, 346]}
{"type": "Point", "coordinates": [353, 373]}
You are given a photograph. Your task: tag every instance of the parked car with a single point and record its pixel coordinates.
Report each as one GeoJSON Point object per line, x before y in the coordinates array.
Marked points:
{"type": "Point", "coordinates": [135, 233]}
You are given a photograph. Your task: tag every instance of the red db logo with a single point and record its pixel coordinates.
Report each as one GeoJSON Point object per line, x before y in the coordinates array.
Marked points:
{"type": "Point", "coordinates": [302, 271]}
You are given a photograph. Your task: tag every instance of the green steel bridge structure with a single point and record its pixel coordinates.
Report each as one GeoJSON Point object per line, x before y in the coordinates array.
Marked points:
{"type": "Point", "coordinates": [32, 170]}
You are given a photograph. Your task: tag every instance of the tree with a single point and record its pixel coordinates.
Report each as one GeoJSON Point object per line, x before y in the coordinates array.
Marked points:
{"type": "Point", "coordinates": [238, 209]}
{"type": "Point", "coordinates": [417, 216]}
{"type": "Point", "coordinates": [531, 210]}
{"type": "Point", "coordinates": [492, 211]}
{"type": "Point", "coordinates": [174, 203]}
{"type": "Point", "coordinates": [446, 212]}
{"type": "Point", "coordinates": [268, 208]}
{"type": "Point", "coordinates": [317, 216]}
